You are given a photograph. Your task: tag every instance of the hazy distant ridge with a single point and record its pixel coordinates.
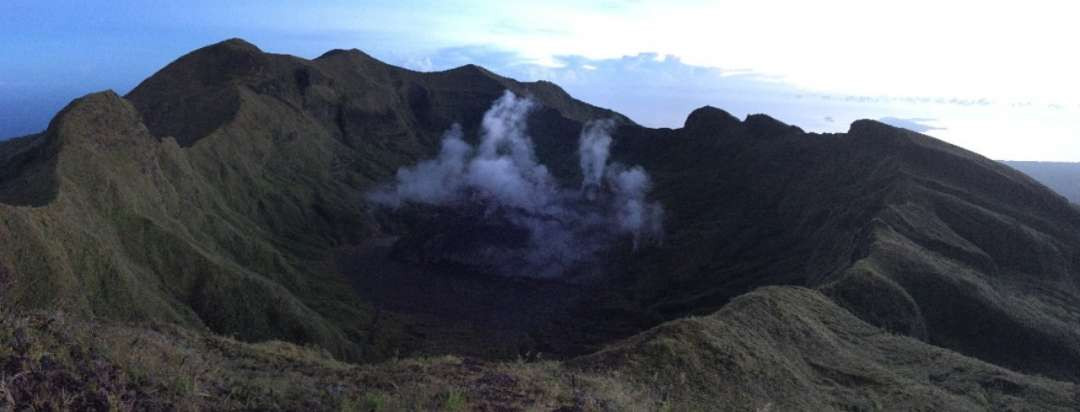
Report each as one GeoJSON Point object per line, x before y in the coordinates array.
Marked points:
{"type": "Point", "coordinates": [1063, 177]}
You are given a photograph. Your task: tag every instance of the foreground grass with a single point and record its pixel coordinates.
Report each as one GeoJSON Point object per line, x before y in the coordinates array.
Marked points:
{"type": "Point", "coordinates": [50, 362]}
{"type": "Point", "coordinates": [777, 348]}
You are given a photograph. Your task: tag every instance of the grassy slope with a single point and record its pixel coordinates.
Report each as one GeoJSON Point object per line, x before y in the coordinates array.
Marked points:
{"type": "Point", "coordinates": [908, 232]}
{"type": "Point", "coordinates": [213, 194]}
{"type": "Point", "coordinates": [773, 349]}
{"type": "Point", "coordinates": [224, 226]}
{"type": "Point", "coordinates": [790, 348]}
{"type": "Point", "coordinates": [136, 233]}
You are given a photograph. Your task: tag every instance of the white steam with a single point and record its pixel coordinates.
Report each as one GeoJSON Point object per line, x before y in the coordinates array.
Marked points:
{"type": "Point", "coordinates": [634, 213]}
{"type": "Point", "coordinates": [566, 227]}
{"type": "Point", "coordinates": [594, 147]}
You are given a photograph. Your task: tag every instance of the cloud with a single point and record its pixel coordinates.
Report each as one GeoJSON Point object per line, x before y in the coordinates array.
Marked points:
{"type": "Point", "coordinates": [500, 176]}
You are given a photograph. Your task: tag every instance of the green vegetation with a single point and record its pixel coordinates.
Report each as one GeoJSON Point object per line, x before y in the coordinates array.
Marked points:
{"type": "Point", "coordinates": [203, 243]}
{"type": "Point", "coordinates": [233, 230]}
{"type": "Point", "coordinates": [779, 348]}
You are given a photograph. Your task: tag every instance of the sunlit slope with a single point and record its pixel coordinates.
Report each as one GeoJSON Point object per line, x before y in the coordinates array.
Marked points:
{"type": "Point", "coordinates": [777, 348]}
{"type": "Point", "coordinates": [213, 195]}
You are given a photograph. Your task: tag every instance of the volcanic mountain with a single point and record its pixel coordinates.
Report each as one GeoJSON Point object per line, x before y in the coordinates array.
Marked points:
{"type": "Point", "coordinates": [211, 239]}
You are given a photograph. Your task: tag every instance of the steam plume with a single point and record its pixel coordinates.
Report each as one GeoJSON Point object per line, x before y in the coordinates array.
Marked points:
{"type": "Point", "coordinates": [566, 227]}
{"type": "Point", "coordinates": [594, 147]}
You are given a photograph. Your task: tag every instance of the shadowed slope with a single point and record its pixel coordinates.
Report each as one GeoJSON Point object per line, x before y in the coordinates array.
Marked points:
{"type": "Point", "coordinates": [217, 193]}
{"type": "Point", "coordinates": [908, 232]}
{"type": "Point", "coordinates": [26, 171]}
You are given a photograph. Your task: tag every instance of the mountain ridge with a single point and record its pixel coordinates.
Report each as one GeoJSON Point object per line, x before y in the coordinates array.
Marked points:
{"type": "Point", "coordinates": [227, 194]}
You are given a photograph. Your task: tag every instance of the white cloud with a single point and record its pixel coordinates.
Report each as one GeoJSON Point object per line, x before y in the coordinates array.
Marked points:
{"type": "Point", "coordinates": [657, 60]}
{"type": "Point", "coordinates": [1006, 50]}
{"type": "Point", "coordinates": [661, 92]}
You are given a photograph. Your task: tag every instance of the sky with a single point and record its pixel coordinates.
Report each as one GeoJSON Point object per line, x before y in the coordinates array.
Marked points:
{"type": "Point", "coordinates": [996, 77]}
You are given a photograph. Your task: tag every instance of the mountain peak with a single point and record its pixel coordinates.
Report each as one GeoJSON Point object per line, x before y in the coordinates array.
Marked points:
{"type": "Point", "coordinates": [709, 117]}
{"type": "Point", "coordinates": [470, 67]}
{"type": "Point", "coordinates": [868, 127]}
{"type": "Point", "coordinates": [235, 43]}
{"type": "Point", "coordinates": [28, 175]}
{"type": "Point", "coordinates": [473, 71]}
{"type": "Point", "coordinates": [347, 53]}
{"type": "Point", "coordinates": [762, 125]}
{"type": "Point", "coordinates": [340, 52]}
{"type": "Point", "coordinates": [97, 118]}
{"type": "Point", "coordinates": [219, 61]}
{"type": "Point", "coordinates": [195, 94]}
